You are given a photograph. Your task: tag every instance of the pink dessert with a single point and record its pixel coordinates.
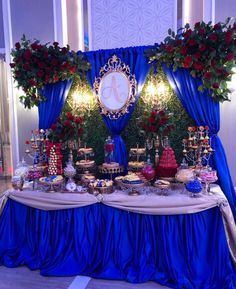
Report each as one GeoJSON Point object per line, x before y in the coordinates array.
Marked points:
{"type": "Point", "coordinates": [167, 166]}
{"type": "Point", "coordinates": [208, 176]}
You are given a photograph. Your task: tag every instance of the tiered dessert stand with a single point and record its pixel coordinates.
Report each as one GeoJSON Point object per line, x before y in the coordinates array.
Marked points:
{"type": "Point", "coordinates": [136, 153]}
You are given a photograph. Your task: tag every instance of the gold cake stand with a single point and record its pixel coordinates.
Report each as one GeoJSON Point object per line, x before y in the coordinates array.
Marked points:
{"type": "Point", "coordinates": [110, 171]}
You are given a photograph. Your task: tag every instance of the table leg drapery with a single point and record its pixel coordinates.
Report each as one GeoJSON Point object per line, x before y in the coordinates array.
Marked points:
{"type": "Point", "coordinates": [179, 251]}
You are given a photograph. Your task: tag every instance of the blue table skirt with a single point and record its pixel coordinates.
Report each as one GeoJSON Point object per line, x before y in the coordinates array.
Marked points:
{"type": "Point", "coordinates": [181, 251]}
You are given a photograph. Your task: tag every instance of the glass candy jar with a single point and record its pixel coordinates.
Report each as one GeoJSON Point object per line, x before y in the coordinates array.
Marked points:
{"type": "Point", "coordinates": [109, 149]}
{"type": "Point", "coordinates": [148, 170]}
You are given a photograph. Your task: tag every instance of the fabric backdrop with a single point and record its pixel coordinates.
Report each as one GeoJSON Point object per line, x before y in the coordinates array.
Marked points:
{"type": "Point", "coordinates": [204, 111]}
{"type": "Point", "coordinates": [49, 110]}
{"type": "Point", "coordinates": [135, 58]}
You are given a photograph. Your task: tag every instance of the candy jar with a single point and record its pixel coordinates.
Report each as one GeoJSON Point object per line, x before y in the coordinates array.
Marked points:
{"type": "Point", "coordinates": [22, 169]}
{"type": "Point", "coordinates": [208, 176]}
{"type": "Point", "coordinates": [109, 148]}
{"type": "Point", "coordinates": [194, 187]}
{"type": "Point", "coordinates": [148, 170]}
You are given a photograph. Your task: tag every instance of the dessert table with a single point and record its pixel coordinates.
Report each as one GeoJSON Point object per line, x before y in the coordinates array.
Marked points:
{"type": "Point", "coordinates": [175, 240]}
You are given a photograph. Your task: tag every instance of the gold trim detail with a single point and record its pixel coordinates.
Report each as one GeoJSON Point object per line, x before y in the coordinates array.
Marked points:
{"type": "Point", "coordinates": [115, 64]}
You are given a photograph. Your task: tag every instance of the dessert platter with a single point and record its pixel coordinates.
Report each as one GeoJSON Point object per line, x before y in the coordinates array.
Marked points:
{"type": "Point", "coordinates": [131, 181]}
{"type": "Point", "coordinates": [51, 183]}
{"type": "Point", "coordinates": [163, 186]}
{"type": "Point", "coordinates": [85, 163]}
{"type": "Point", "coordinates": [103, 186]}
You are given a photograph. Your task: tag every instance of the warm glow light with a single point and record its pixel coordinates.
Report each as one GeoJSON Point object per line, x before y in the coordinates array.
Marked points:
{"type": "Point", "coordinates": [156, 94]}
{"type": "Point", "coordinates": [82, 100]}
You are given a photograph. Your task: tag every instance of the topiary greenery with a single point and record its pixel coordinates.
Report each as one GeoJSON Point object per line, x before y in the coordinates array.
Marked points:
{"type": "Point", "coordinates": [96, 131]}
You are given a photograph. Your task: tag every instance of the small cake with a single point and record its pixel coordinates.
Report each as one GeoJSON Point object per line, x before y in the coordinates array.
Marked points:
{"type": "Point", "coordinates": [138, 151]}
{"type": "Point", "coordinates": [184, 175]}
{"type": "Point", "coordinates": [132, 179]}
{"type": "Point", "coordinates": [135, 164]}
{"type": "Point", "coordinates": [86, 151]}
{"type": "Point", "coordinates": [167, 167]}
{"type": "Point", "coordinates": [162, 184]}
{"type": "Point", "coordinates": [85, 163]}
{"type": "Point", "coordinates": [110, 165]}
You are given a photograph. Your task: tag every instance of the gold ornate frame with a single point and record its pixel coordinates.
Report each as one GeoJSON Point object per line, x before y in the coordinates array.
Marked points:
{"type": "Point", "coordinates": [114, 64]}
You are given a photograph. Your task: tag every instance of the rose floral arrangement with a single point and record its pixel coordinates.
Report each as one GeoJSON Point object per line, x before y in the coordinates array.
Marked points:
{"type": "Point", "coordinates": [67, 127]}
{"type": "Point", "coordinates": [35, 65]}
{"type": "Point", "coordinates": [207, 50]}
{"type": "Point", "coordinates": [158, 123]}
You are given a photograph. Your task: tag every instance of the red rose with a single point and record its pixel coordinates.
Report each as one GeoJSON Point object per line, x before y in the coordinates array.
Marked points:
{"type": "Point", "coordinates": [202, 47]}
{"type": "Point", "coordinates": [213, 37]}
{"type": "Point", "coordinates": [228, 36]}
{"type": "Point", "coordinates": [197, 24]}
{"type": "Point", "coordinates": [17, 45]}
{"type": "Point", "coordinates": [26, 66]}
{"type": "Point", "coordinates": [207, 75]}
{"type": "Point", "coordinates": [34, 46]}
{"type": "Point", "coordinates": [40, 73]}
{"type": "Point", "coordinates": [27, 54]}
{"type": "Point", "coordinates": [187, 61]}
{"type": "Point", "coordinates": [41, 65]}
{"type": "Point", "coordinates": [183, 50]}
{"type": "Point", "coordinates": [45, 55]}
{"type": "Point", "coordinates": [80, 131]}
{"type": "Point", "coordinates": [192, 42]}
{"type": "Point", "coordinates": [179, 42]}
{"type": "Point", "coordinates": [198, 66]}
{"type": "Point", "coordinates": [169, 49]}
{"type": "Point", "coordinates": [18, 73]}
{"type": "Point", "coordinates": [53, 126]}
{"type": "Point", "coordinates": [55, 78]}
{"type": "Point", "coordinates": [229, 56]}
{"type": "Point", "coordinates": [32, 82]}
{"type": "Point", "coordinates": [153, 128]}
{"type": "Point", "coordinates": [197, 55]}
{"type": "Point", "coordinates": [201, 31]}
{"type": "Point", "coordinates": [67, 123]}
{"type": "Point", "coordinates": [213, 62]}
{"type": "Point", "coordinates": [78, 120]}
{"type": "Point", "coordinates": [54, 62]}
{"type": "Point", "coordinates": [72, 69]}
{"type": "Point", "coordinates": [153, 113]}
{"type": "Point", "coordinates": [206, 127]}
{"type": "Point", "coordinates": [162, 113]}
{"type": "Point", "coordinates": [69, 116]}
{"type": "Point", "coordinates": [151, 119]}
{"type": "Point", "coordinates": [27, 142]}
{"type": "Point", "coordinates": [187, 33]}
{"type": "Point", "coordinates": [47, 78]}
{"type": "Point", "coordinates": [215, 85]}
{"type": "Point", "coordinates": [12, 65]}
{"type": "Point", "coordinates": [217, 26]}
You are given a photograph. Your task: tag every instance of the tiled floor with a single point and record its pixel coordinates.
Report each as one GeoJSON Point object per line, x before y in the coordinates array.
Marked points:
{"type": "Point", "coordinates": [23, 278]}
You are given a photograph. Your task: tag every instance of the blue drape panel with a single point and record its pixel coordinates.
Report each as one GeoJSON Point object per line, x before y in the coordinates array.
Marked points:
{"type": "Point", "coordinates": [135, 58]}
{"type": "Point", "coordinates": [49, 110]}
{"type": "Point", "coordinates": [180, 251]}
{"type": "Point", "coordinates": [205, 111]}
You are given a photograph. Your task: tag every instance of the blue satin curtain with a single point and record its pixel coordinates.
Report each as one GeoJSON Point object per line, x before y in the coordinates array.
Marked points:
{"type": "Point", "coordinates": [205, 111]}
{"type": "Point", "coordinates": [135, 58]}
{"type": "Point", "coordinates": [49, 110]}
{"type": "Point", "coordinates": [108, 243]}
